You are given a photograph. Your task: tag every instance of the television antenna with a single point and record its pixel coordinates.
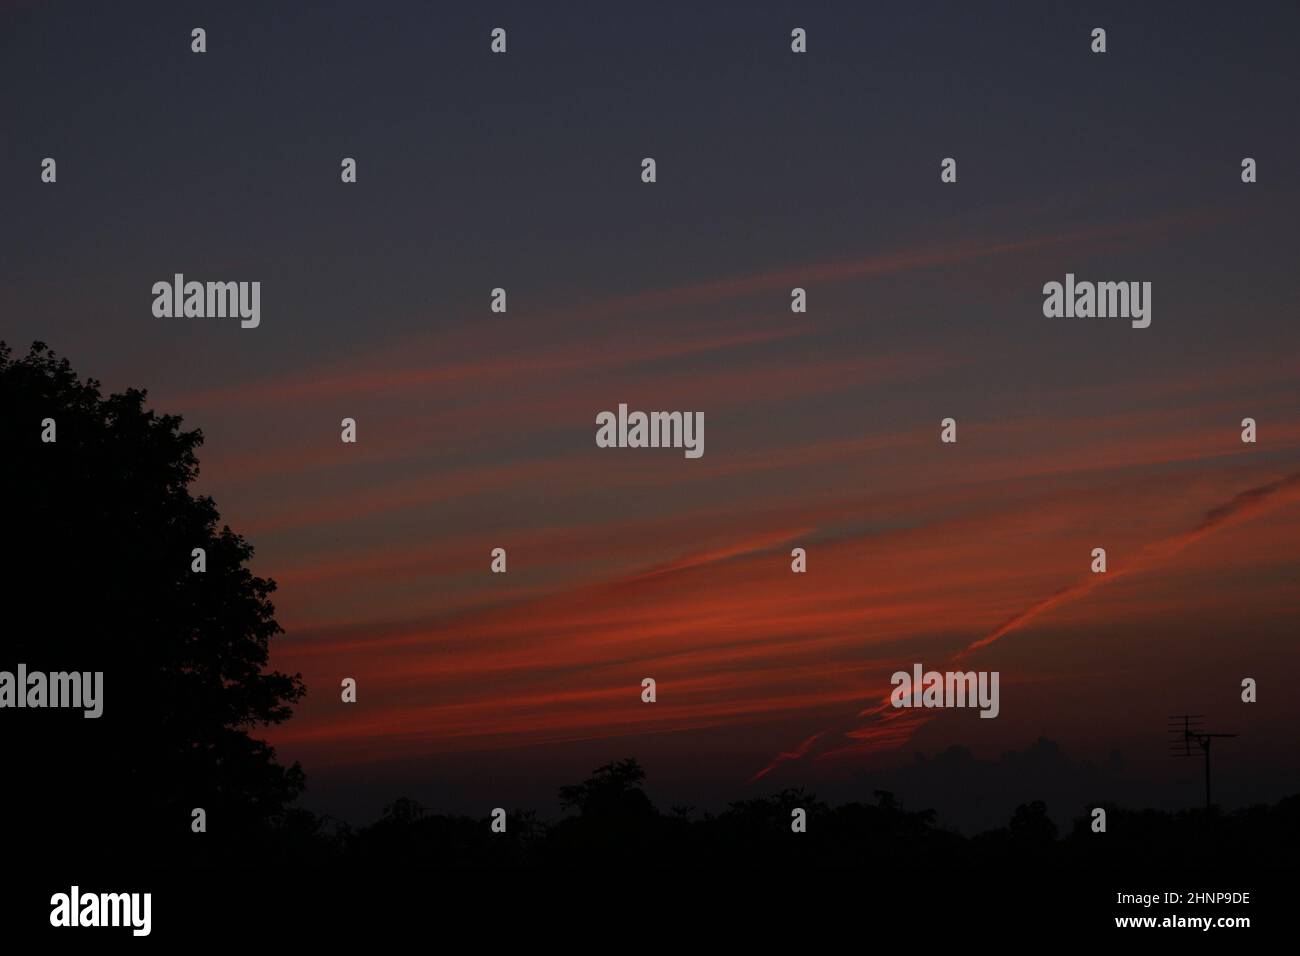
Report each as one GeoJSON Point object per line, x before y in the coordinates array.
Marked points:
{"type": "Point", "coordinates": [1186, 730]}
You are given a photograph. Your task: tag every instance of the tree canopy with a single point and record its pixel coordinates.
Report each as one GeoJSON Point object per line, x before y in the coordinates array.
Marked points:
{"type": "Point", "coordinates": [100, 528]}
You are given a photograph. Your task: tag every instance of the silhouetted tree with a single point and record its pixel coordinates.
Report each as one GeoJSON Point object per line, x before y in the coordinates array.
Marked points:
{"type": "Point", "coordinates": [611, 790]}
{"type": "Point", "coordinates": [99, 528]}
{"type": "Point", "coordinates": [1031, 824]}
{"type": "Point", "coordinates": [616, 819]}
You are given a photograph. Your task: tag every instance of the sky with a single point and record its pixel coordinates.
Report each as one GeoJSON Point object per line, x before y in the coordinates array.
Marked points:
{"type": "Point", "coordinates": [775, 170]}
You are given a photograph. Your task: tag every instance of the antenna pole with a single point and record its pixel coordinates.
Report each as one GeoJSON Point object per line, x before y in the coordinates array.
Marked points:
{"type": "Point", "coordinates": [1206, 744]}
{"type": "Point", "coordinates": [1181, 743]}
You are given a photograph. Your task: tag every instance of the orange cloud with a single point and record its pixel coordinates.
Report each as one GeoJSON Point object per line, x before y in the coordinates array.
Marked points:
{"type": "Point", "coordinates": [884, 730]}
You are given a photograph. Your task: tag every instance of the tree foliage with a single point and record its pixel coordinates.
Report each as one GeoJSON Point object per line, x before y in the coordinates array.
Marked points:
{"type": "Point", "coordinates": [100, 526]}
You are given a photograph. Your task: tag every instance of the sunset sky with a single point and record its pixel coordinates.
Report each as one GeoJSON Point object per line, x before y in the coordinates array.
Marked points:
{"type": "Point", "coordinates": [476, 430]}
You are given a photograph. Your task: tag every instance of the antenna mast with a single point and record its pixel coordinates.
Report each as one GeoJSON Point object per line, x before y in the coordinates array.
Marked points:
{"type": "Point", "coordinates": [1186, 729]}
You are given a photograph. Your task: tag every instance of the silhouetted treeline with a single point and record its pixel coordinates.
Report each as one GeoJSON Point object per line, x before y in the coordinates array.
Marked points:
{"type": "Point", "coordinates": [609, 819]}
